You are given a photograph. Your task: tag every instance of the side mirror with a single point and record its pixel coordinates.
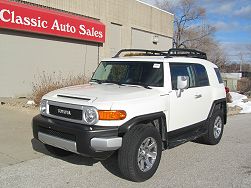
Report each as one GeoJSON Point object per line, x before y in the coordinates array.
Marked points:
{"type": "Point", "coordinates": [182, 83]}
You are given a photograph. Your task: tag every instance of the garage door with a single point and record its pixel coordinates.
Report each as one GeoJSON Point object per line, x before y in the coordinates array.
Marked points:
{"type": "Point", "coordinates": [25, 58]}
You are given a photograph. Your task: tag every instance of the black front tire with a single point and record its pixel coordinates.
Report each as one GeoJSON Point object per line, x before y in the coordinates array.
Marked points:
{"type": "Point", "coordinates": [128, 154]}
{"type": "Point", "coordinates": [57, 151]}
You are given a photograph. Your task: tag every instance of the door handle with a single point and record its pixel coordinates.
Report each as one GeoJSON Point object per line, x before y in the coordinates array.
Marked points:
{"type": "Point", "coordinates": [198, 96]}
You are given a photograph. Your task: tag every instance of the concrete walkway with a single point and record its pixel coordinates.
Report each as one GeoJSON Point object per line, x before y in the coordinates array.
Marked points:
{"type": "Point", "coordinates": [16, 135]}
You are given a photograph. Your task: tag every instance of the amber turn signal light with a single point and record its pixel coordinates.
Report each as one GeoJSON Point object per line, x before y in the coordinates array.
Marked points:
{"type": "Point", "coordinates": [111, 114]}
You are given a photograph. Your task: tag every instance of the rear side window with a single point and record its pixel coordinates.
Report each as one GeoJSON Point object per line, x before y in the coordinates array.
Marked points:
{"type": "Point", "coordinates": [217, 71]}
{"type": "Point", "coordinates": [201, 75]}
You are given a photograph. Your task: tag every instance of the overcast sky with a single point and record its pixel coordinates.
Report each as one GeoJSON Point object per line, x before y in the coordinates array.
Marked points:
{"type": "Point", "coordinates": [232, 19]}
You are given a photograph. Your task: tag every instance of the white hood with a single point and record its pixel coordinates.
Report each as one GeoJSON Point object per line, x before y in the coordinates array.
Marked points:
{"type": "Point", "coordinates": [100, 93]}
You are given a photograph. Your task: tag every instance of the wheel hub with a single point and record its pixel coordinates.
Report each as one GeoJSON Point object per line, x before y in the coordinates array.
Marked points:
{"type": "Point", "coordinates": [217, 127]}
{"type": "Point", "coordinates": [147, 154]}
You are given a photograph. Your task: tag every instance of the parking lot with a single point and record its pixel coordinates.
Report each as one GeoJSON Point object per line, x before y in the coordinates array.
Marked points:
{"type": "Point", "coordinates": [25, 163]}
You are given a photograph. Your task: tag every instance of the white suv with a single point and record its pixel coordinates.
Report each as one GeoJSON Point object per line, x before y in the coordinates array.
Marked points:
{"type": "Point", "coordinates": [134, 107]}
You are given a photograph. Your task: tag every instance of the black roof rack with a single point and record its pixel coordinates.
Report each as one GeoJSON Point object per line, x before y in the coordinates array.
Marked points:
{"type": "Point", "coordinates": [143, 52]}
{"type": "Point", "coordinates": [181, 52]}
{"type": "Point", "coordinates": [173, 52]}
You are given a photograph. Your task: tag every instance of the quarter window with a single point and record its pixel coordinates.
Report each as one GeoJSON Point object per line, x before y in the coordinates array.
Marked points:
{"type": "Point", "coordinates": [218, 75]}
{"type": "Point", "coordinates": [201, 75]}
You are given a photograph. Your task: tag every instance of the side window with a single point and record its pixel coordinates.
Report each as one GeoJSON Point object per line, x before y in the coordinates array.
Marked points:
{"type": "Point", "coordinates": [217, 71]}
{"type": "Point", "coordinates": [182, 69]}
{"type": "Point", "coordinates": [201, 75]}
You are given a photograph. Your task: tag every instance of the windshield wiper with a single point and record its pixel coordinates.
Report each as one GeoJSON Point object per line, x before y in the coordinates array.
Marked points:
{"type": "Point", "coordinates": [106, 81]}
{"type": "Point", "coordinates": [97, 81]}
{"type": "Point", "coordinates": [140, 84]}
{"type": "Point", "coordinates": [145, 86]}
{"type": "Point", "coordinates": [113, 82]}
{"type": "Point", "coordinates": [119, 83]}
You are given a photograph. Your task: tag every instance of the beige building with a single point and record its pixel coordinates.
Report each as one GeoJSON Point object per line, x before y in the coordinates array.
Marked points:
{"type": "Point", "coordinates": [27, 51]}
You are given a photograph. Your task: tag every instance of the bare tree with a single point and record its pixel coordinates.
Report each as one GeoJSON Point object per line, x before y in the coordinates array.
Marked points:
{"type": "Point", "coordinates": [207, 44]}
{"type": "Point", "coordinates": [235, 67]}
{"type": "Point", "coordinates": [188, 16]}
{"type": "Point", "coordinates": [192, 31]}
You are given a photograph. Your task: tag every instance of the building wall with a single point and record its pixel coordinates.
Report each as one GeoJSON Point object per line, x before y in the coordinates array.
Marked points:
{"type": "Point", "coordinates": [129, 24]}
{"type": "Point", "coordinates": [143, 39]}
{"type": "Point", "coordinates": [114, 43]}
{"type": "Point", "coordinates": [25, 59]}
{"type": "Point", "coordinates": [129, 14]}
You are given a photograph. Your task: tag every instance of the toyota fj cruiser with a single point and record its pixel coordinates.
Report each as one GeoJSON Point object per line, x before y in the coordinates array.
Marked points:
{"type": "Point", "coordinates": [136, 105]}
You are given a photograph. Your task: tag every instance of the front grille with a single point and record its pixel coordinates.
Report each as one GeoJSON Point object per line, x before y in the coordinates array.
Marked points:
{"type": "Point", "coordinates": [69, 113]}
{"type": "Point", "coordinates": [57, 134]}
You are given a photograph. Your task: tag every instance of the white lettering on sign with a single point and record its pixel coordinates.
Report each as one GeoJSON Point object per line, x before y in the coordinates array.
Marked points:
{"type": "Point", "coordinates": [2, 16]}
{"type": "Point", "coordinates": [63, 27]}
{"type": "Point", "coordinates": [18, 16]}
{"type": "Point", "coordinates": [7, 16]}
{"type": "Point", "coordinates": [90, 32]}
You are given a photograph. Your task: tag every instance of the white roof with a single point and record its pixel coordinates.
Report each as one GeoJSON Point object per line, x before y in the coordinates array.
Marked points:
{"type": "Point", "coordinates": [163, 59]}
{"type": "Point", "coordinates": [137, 58]}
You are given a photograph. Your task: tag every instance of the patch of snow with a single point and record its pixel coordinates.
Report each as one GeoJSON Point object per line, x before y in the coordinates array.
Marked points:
{"type": "Point", "coordinates": [240, 100]}
{"type": "Point", "coordinates": [30, 103]}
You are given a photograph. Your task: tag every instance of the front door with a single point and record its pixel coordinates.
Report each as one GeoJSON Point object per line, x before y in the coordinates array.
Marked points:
{"type": "Point", "coordinates": [194, 103]}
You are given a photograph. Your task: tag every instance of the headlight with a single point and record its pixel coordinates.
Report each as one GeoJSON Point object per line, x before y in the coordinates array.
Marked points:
{"type": "Point", "coordinates": [90, 115]}
{"type": "Point", "coordinates": [43, 105]}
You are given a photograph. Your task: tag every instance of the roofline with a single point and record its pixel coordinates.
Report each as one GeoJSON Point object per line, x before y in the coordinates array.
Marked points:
{"type": "Point", "coordinates": [140, 1]}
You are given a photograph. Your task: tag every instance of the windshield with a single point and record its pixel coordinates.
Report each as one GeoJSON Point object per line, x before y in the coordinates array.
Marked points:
{"type": "Point", "coordinates": [134, 73]}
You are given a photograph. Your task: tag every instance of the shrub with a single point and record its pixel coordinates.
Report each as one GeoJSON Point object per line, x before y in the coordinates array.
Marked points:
{"type": "Point", "coordinates": [244, 85]}
{"type": "Point", "coordinates": [45, 83]}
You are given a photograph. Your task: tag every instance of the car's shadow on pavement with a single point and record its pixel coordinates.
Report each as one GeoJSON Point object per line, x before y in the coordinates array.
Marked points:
{"type": "Point", "coordinates": [110, 164]}
{"type": "Point", "coordinates": [74, 158]}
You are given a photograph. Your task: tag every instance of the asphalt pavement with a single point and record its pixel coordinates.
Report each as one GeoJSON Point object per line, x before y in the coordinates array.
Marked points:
{"type": "Point", "coordinates": [227, 164]}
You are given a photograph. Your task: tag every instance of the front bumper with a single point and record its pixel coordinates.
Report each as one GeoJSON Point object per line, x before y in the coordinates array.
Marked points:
{"type": "Point", "coordinates": [91, 141]}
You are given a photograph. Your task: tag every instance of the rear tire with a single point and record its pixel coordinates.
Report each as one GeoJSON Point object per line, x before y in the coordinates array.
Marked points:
{"type": "Point", "coordinates": [57, 151]}
{"type": "Point", "coordinates": [215, 129]}
{"type": "Point", "coordinates": [139, 156]}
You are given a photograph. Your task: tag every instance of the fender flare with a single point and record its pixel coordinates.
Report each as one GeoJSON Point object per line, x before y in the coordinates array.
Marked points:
{"type": "Point", "coordinates": [220, 104]}
{"type": "Point", "coordinates": [143, 119]}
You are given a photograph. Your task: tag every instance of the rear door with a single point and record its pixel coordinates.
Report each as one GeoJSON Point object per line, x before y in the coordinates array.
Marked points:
{"type": "Point", "coordinates": [193, 104]}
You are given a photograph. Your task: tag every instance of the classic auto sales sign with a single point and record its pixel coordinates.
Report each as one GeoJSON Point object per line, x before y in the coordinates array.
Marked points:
{"type": "Point", "coordinates": [17, 16]}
